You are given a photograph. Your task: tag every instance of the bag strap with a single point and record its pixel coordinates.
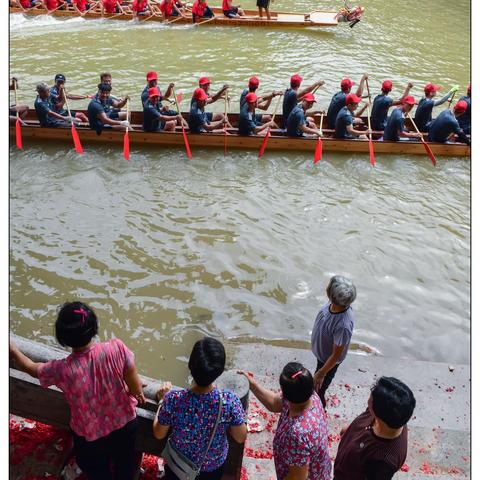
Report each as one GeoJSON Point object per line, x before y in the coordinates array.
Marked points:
{"type": "Point", "coordinates": [217, 421]}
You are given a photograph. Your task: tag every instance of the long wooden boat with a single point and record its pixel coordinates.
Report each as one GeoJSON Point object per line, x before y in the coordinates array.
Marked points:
{"type": "Point", "coordinates": [277, 141]}
{"type": "Point", "coordinates": [278, 19]}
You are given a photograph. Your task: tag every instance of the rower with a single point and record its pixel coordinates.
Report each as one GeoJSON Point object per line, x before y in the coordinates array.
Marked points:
{"type": "Point", "coordinates": [199, 120]}
{"type": "Point", "coordinates": [423, 114]}
{"type": "Point", "coordinates": [152, 81]}
{"type": "Point", "coordinates": [200, 9]}
{"type": "Point", "coordinates": [204, 83]}
{"type": "Point", "coordinates": [57, 93]}
{"type": "Point", "coordinates": [465, 120]}
{"type": "Point", "coordinates": [248, 122]}
{"type": "Point", "coordinates": [45, 109]}
{"type": "Point", "coordinates": [297, 124]}
{"type": "Point", "coordinates": [141, 7]}
{"type": "Point", "coordinates": [21, 109]}
{"type": "Point", "coordinates": [345, 121]}
{"type": "Point", "coordinates": [292, 96]}
{"type": "Point", "coordinates": [153, 119]}
{"type": "Point", "coordinates": [263, 101]}
{"type": "Point", "coordinates": [383, 102]}
{"type": "Point", "coordinates": [395, 130]}
{"type": "Point", "coordinates": [114, 105]}
{"type": "Point", "coordinates": [263, 5]}
{"type": "Point", "coordinates": [97, 108]}
{"type": "Point", "coordinates": [110, 6]}
{"type": "Point", "coordinates": [172, 8]}
{"type": "Point", "coordinates": [230, 10]}
{"type": "Point", "coordinates": [338, 100]}
{"type": "Point", "coordinates": [81, 6]}
{"type": "Point", "coordinates": [447, 124]}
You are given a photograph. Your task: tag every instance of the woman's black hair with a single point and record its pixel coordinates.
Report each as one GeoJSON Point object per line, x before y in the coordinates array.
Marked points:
{"type": "Point", "coordinates": [207, 361]}
{"type": "Point", "coordinates": [296, 383]}
{"type": "Point", "coordinates": [392, 401]}
{"type": "Point", "coordinates": [76, 325]}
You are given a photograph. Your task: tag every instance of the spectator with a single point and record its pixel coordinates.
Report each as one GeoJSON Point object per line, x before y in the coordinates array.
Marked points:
{"type": "Point", "coordinates": [94, 379]}
{"type": "Point", "coordinates": [300, 445]}
{"type": "Point", "coordinates": [191, 414]}
{"type": "Point", "coordinates": [374, 446]}
{"type": "Point", "coordinates": [332, 332]}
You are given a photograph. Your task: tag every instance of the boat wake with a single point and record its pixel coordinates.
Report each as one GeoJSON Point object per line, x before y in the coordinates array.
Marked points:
{"type": "Point", "coordinates": [20, 23]}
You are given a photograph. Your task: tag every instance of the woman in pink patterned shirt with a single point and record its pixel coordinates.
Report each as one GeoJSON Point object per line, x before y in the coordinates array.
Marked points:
{"type": "Point", "coordinates": [102, 387]}
{"type": "Point", "coordinates": [300, 445]}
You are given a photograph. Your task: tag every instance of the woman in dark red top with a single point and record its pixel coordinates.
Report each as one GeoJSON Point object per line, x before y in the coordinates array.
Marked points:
{"type": "Point", "coordinates": [374, 446]}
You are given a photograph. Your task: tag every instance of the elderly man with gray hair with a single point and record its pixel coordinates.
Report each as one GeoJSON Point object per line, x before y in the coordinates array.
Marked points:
{"type": "Point", "coordinates": [45, 108]}
{"type": "Point", "coordinates": [332, 332]}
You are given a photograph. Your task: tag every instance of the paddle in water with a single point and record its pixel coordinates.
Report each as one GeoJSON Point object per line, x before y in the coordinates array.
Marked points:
{"type": "Point", "coordinates": [76, 138]}
{"type": "Point", "coordinates": [370, 142]}
{"type": "Point", "coordinates": [319, 146]}
{"type": "Point", "coordinates": [18, 128]}
{"type": "Point", "coordinates": [126, 139]}
{"type": "Point", "coordinates": [178, 99]}
{"type": "Point", "coordinates": [264, 143]}
{"type": "Point", "coordinates": [425, 144]}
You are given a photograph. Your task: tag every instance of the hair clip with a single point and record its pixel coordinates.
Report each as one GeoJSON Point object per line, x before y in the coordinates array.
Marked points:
{"type": "Point", "coordinates": [83, 313]}
{"type": "Point", "coordinates": [295, 375]}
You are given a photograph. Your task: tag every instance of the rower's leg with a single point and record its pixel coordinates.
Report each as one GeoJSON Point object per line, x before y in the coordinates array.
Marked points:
{"type": "Point", "coordinates": [217, 117]}
{"type": "Point", "coordinates": [266, 118]}
{"type": "Point", "coordinates": [241, 12]}
{"type": "Point", "coordinates": [81, 116]}
{"type": "Point", "coordinates": [170, 125]}
{"type": "Point", "coordinates": [122, 115]}
{"type": "Point", "coordinates": [260, 12]}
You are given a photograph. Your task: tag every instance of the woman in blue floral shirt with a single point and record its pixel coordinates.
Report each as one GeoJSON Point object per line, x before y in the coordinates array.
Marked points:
{"type": "Point", "coordinates": [191, 414]}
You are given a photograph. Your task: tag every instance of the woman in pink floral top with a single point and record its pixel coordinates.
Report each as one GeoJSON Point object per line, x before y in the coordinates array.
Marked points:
{"type": "Point", "coordinates": [102, 387]}
{"type": "Point", "coordinates": [300, 445]}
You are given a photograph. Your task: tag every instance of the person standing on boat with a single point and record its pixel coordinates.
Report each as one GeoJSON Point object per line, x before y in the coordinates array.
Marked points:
{"type": "Point", "coordinates": [345, 120]}
{"type": "Point", "coordinates": [465, 120]}
{"type": "Point", "coordinates": [230, 10]}
{"type": "Point", "coordinates": [263, 101]}
{"type": "Point", "coordinates": [154, 120]}
{"type": "Point", "coordinates": [97, 111]}
{"type": "Point", "coordinates": [45, 109]}
{"type": "Point", "coordinates": [57, 93]}
{"type": "Point", "coordinates": [395, 129]}
{"type": "Point", "coordinates": [374, 446]}
{"type": "Point", "coordinates": [423, 114]}
{"type": "Point", "coordinates": [297, 123]}
{"type": "Point", "coordinates": [332, 332]}
{"type": "Point", "coordinates": [293, 95]}
{"type": "Point", "coordinates": [382, 103]}
{"type": "Point", "coordinates": [447, 124]}
{"type": "Point", "coordinates": [199, 121]}
{"type": "Point", "coordinates": [338, 100]}
{"type": "Point", "coordinates": [248, 122]}
{"type": "Point", "coordinates": [200, 10]}
{"type": "Point", "coordinates": [263, 5]}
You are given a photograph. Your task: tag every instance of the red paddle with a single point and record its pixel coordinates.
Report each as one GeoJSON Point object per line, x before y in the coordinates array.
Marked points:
{"type": "Point", "coordinates": [126, 139]}
{"type": "Point", "coordinates": [185, 139]}
{"type": "Point", "coordinates": [370, 142]}
{"type": "Point", "coordinates": [18, 128]}
{"type": "Point", "coordinates": [76, 138]}
{"type": "Point", "coordinates": [319, 146]}
{"type": "Point", "coordinates": [425, 144]}
{"type": "Point", "coordinates": [264, 143]}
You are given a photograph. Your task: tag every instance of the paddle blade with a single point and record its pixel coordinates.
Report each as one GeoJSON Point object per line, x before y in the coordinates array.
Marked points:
{"type": "Point", "coordinates": [179, 98]}
{"type": "Point", "coordinates": [372, 154]}
{"type": "Point", "coordinates": [187, 146]}
{"type": "Point", "coordinates": [18, 134]}
{"type": "Point", "coordinates": [429, 152]}
{"type": "Point", "coordinates": [76, 140]}
{"type": "Point", "coordinates": [264, 143]}
{"type": "Point", "coordinates": [126, 146]}
{"type": "Point", "coordinates": [318, 151]}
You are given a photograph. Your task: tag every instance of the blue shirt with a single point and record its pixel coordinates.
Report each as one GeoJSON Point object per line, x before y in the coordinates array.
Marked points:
{"type": "Point", "coordinates": [107, 106]}
{"type": "Point", "coordinates": [42, 107]}
{"type": "Point", "coordinates": [294, 121]}
{"type": "Point", "coordinates": [144, 96]}
{"type": "Point", "coordinates": [395, 125]}
{"type": "Point", "coordinates": [465, 120]}
{"type": "Point", "coordinates": [379, 113]}
{"type": "Point", "coordinates": [336, 104]}
{"type": "Point", "coordinates": [247, 121]}
{"type": "Point", "coordinates": [95, 108]}
{"type": "Point", "coordinates": [423, 115]}
{"type": "Point", "coordinates": [197, 118]}
{"type": "Point", "coordinates": [290, 101]}
{"type": "Point", "coordinates": [242, 98]}
{"type": "Point", "coordinates": [443, 126]}
{"type": "Point", "coordinates": [344, 118]}
{"type": "Point", "coordinates": [151, 117]}
{"type": "Point", "coordinates": [55, 100]}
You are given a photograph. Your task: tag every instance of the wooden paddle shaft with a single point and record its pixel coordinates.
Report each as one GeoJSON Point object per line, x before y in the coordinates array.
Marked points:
{"type": "Point", "coordinates": [413, 123]}
{"type": "Point", "coordinates": [276, 107]}
{"type": "Point", "coordinates": [206, 21]}
{"type": "Point", "coordinates": [66, 103]}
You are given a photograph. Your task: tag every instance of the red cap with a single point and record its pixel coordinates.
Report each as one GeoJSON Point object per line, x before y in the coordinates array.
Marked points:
{"type": "Point", "coordinates": [430, 87]}
{"type": "Point", "coordinates": [152, 76]}
{"type": "Point", "coordinates": [204, 81]}
{"type": "Point", "coordinates": [199, 94]}
{"type": "Point", "coordinates": [409, 100]}
{"type": "Point", "coordinates": [295, 80]}
{"type": "Point", "coordinates": [254, 82]}
{"type": "Point", "coordinates": [461, 106]}
{"type": "Point", "coordinates": [469, 89]}
{"type": "Point", "coordinates": [387, 85]}
{"type": "Point", "coordinates": [352, 98]}
{"type": "Point", "coordinates": [153, 92]}
{"type": "Point", "coordinates": [309, 97]}
{"type": "Point", "coordinates": [346, 84]}
{"type": "Point", "coordinates": [251, 97]}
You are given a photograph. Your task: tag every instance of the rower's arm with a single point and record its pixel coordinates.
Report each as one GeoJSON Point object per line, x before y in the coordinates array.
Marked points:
{"type": "Point", "coordinates": [311, 131]}
{"type": "Point", "coordinates": [262, 127]}
{"type": "Point", "coordinates": [361, 85]}
{"type": "Point", "coordinates": [353, 131]}
{"type": "Point", "coordinates": [56, 115]}
{"type": "Point", "coordinates": [103, 117]}
{"type": "Point", "coordinates": [74, 96]}
{"type": "Point", "coordinates": [120, 103]}
{"type": "Point", "coordinates": [169, 91]}
{"type": "Point", "coordinates": [213, 126]}
{"type": "Point", "coordinates": [395, 103]}
{"type": "Point", "coordinates": [306, 90]}
{"type": "Point", "coordinates": [461, 135]}
{"type": "Point", "coordinates": [360, 112]}
{"type": "Point", "coordinates": [436, 103]}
